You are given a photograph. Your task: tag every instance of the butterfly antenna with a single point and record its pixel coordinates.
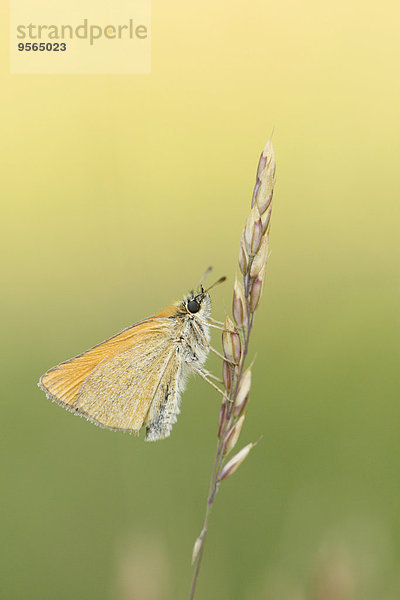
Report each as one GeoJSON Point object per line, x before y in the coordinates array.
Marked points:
{"type": "Point", "coordinates": [205, 275]}
{"type": "Point", "coordinates": [220, 280]}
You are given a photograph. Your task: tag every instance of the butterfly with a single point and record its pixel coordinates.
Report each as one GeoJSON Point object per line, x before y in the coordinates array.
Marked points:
{"type": "Point", "coordinates": [136, 378]}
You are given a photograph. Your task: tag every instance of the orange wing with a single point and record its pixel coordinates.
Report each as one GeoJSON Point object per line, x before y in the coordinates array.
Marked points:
{"type": "Point", "coordinates": [123, 393]}
{"type": "Point", "coordinates": [62, 383]}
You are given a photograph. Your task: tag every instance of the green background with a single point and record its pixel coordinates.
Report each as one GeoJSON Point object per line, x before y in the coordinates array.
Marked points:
{"type": "Point", "coordinates": [117, 193]}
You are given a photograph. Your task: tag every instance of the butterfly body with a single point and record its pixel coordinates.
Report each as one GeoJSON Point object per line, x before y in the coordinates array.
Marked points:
{"type": "Point", "coordinates": [137, 377]}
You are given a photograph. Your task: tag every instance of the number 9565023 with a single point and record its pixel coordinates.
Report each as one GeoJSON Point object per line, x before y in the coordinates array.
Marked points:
{"type": "Point", "coordinates": [42, 46]}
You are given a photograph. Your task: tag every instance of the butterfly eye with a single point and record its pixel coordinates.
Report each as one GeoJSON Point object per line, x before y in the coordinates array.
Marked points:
{"type": "Point", "coordinates": [193, 306]}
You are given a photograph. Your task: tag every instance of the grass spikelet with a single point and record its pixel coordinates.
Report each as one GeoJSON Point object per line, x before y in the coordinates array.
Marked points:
{"type": "Point", "coordinates": [247, 293]}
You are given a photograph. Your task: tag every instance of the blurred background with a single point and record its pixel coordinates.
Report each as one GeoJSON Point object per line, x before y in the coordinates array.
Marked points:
{"type": "Point", "coordinates": [117, 192]}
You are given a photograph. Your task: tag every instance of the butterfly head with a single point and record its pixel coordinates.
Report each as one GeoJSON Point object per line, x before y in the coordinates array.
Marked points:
{"type": "Point", "coordinates": [198, 303]}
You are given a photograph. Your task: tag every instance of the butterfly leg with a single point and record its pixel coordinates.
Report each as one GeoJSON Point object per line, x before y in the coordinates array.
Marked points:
{"type": "Point", "coordinates": [215, 326]}
{"type": "Point", "coordinates": [222, 356]}
{"type": "Point", "coordinates": [211, 347]}
{"type": "Point", "coordinates": [214, 377]}
{"type": "Point", "coordinates": [215, 321]}
{"type": "Point", "coordinates": [204, 374]}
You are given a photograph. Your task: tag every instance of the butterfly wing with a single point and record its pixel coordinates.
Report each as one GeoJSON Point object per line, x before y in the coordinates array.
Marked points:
{"type": "Point", "coordinates": [114, 383]}
{"type": "Point", "coordinates": [119, 392]}
{"type": "Point", "coordinates": [165, 406]}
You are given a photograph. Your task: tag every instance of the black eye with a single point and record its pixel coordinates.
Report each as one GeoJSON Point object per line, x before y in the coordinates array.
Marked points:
{"type": "Point", "coordinates": [193, 306]}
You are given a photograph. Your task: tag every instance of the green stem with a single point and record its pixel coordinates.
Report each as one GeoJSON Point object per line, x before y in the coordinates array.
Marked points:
{"type": "Point", "coordinates": [218, 460]}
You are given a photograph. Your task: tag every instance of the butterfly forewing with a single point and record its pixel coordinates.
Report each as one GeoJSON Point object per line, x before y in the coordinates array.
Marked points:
{"type": "Point", "coordinates": [136, 378]}
{"type": "Point", "coordinates": [120, 391]}
{"type": "Point", "coordinates": [114, 383]}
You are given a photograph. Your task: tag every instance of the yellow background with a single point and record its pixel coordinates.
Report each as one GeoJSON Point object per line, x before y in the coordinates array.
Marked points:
{"type": "Point", "coordinates": [117, 192]}
{"type": "Point", "coordinates": [95, 53]}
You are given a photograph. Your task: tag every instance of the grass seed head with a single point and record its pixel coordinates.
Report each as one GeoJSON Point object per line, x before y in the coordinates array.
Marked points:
{"type": "Point", "coordinates": [227, 375]}
{"type": "Point", "coordinates": [253, 231]}
{"type": "Point", "coordinates": [222, 419]}
{"type": "Point", "coordinates": [235, 462]}
{"type": "Point", "coordinates": [238, 304]}
{"type": "Point", "coordinates": [231, 342]}
{"type": "Point", "coordinates": [260, 258]}
{"type": "Point", "coordinates": [233, 435]}
{"type": "Point", "coordinates": [266, 219]}
{"type": "Point", "coordinates": [257, 289]}
{"type": "Point", "coordinates": [243, 393]}
{"type": "Point", "coordinates": [264, 187]}
{"type": "Point", "coordinates": [243, 256]}
{"type": "Point", "coordinates": [196, 549]}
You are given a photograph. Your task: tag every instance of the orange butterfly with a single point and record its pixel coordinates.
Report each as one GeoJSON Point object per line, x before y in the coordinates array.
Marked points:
{"type": "Point", "coordinates": [136, 377]}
